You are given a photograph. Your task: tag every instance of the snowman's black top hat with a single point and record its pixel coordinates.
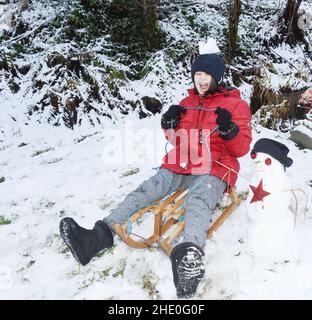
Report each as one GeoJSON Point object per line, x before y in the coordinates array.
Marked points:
{"type": "Point", "coordinates": [275, 149]}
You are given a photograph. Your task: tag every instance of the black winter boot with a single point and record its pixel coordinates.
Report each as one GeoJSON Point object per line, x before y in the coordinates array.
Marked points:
{"type": "Point", "coordinates": [85, 244]}
{"type": "Point", "coordinates": [188, 268]}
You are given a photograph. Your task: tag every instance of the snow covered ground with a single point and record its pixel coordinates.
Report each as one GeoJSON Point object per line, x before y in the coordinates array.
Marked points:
{"type": "Point", "coordinates": [50, 173]}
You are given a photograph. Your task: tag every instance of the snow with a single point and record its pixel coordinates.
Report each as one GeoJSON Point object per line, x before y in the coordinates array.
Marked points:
{"type": "Point", "coordinates": [305, 127]}
{"type": "Point", "coordinates": [71, 179]}
{"type": "Point", "coordinates": [4, 17]}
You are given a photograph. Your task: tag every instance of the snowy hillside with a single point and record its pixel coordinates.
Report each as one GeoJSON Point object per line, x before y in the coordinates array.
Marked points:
{"type": "Point", "coordinates": [54, 175]}
{"type": "Point", "coordinates": [48, 171]}
{"type": "Point", "coordinates": [55, 68]}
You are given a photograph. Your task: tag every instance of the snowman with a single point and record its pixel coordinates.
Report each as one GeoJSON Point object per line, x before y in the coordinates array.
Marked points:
{"type": "Point", "coordinates": [271, 223]}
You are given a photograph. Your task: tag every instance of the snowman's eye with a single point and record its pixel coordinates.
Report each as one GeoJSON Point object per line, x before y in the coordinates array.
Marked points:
{"type": "Point", "coordinates": [268, 161]}
{"type": "Point", "coordinates": [253, 155]}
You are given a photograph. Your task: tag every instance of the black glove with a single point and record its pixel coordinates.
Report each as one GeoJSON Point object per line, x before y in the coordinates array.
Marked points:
{"type": "Point", "coordinates": [227, 128]}
{"type": "Point", "coordinates": [172, 117]}
{"type": "Point", "coordinates": [224, 119]}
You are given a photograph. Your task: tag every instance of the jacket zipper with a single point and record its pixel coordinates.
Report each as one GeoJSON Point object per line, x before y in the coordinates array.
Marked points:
{"type": "Point", "coordinates": [200, 120]}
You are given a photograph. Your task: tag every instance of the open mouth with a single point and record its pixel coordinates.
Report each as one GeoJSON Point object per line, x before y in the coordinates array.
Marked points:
{"type": "Point", "coordinates": [204, 87]}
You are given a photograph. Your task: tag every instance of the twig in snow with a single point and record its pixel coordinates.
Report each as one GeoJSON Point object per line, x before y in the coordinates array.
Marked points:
{"type": "Point", "coordinates": [22, 36]}
{"type": "Point", "coordinates": [284, 59]}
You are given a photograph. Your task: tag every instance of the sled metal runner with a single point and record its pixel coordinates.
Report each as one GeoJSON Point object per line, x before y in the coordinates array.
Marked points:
{"type": "Point", "coordinates": [167, 216]}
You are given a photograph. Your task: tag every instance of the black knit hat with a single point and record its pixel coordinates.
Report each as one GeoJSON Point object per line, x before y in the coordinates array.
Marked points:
{"type": "Point", "coordinates": [211, 63]}
{"type": "Point", "coordinates": [275, 149]}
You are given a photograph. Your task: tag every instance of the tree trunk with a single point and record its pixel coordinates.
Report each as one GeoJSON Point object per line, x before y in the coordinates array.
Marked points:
{"type": "Point", "coordinates": [233, 28]}
{"type": "Point", "coordinates": [288, 23]}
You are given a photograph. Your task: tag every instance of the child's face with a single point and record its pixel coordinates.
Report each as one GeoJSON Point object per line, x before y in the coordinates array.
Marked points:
{"type": "Point", "coordinates": [202, 81]}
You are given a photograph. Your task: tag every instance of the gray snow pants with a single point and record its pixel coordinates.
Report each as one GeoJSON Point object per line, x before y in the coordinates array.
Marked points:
{"type": "Point", "coordinates": [198, 206]}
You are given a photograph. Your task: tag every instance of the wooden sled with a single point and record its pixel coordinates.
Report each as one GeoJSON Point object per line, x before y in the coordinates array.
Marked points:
{"type": "Point", "coordinates": [168, 214]}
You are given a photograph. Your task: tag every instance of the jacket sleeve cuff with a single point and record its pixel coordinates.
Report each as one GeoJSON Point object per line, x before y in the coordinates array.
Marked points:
{"type": "Point", "coordinates": [231, 133]}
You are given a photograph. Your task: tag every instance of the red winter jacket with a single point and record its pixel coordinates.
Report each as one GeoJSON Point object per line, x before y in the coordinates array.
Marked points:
{"type": "Point", "coordinates": [189, 156]}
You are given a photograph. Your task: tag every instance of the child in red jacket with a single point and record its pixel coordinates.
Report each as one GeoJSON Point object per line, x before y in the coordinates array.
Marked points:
{"type": "Point", "coordinates": [210, 129]}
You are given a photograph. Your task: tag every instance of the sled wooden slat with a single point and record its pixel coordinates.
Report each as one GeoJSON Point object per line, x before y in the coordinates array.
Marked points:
{"type": "Point", "coordinates": [166, 243]}
{"type": "Point", "coordinates": [235, 201]}
{"type": "Point", "coordinates": [167, 215]}
{"type": "Point", "coordinates": [120, 229]}
{"type": "Point", "coordinates": [157, 230]}
{"type": "Point", "coordinates": [140, 213]}
{"type": "Point", "coordinates": [155, 208]}
{"type": "Point", "coordinates": [166, 226]}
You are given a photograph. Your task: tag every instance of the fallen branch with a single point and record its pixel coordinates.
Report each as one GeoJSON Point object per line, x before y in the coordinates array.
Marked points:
{"type": "Point", "coordinates": [284, 59]}
{"type": "Point", "coordinates": [22, 36]}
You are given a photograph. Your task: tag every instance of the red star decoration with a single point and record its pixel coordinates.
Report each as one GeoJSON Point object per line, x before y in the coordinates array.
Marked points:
{"type": "Point", "coordinates": [259, 193]}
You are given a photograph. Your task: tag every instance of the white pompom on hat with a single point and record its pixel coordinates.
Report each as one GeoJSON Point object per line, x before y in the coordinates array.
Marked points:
{"type": "Point", "coordinates": [208, 47]}
{"type": "Point", "coordinates": [209, 60]}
